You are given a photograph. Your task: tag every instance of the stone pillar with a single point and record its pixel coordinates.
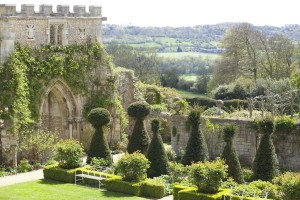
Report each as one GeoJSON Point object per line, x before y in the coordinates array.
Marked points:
{"type": "Point", "coordinates": [55, 35]}
{"type": "Point", "coordinates": [65, 32]}
{"type": "Point", "coordinates": [70, 128]}
{"type": "Point", "coordinates": [7, 41]}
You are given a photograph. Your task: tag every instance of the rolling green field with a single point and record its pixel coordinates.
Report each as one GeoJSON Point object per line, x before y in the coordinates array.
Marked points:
{"type": "Point", "coordinates": [193, 54]}
{"type": "Point", "coordinates": [188, 94]}
{"type": "Point", "coordinates": [53, 190]}
{"type": "Point", "coordinates": [189, 77]}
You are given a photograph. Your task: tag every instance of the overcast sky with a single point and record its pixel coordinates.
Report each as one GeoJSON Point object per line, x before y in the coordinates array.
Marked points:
{"type": "Point", "coordinates": [186, 12]}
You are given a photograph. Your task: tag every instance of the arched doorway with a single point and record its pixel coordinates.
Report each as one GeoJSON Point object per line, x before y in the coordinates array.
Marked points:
{"type": "Point", "coordinates": [59, 110]}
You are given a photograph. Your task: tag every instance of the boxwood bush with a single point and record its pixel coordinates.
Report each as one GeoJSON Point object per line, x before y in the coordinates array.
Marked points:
{"type": "Point", "coordinates": [194, 195]}
{"type": "Point", "coordinates": [69, 153]}
{"type": "Point", "coordinates": [208, 176]}
{"type": "Point", "coordinates": [190, 193]}
{"type": "Point", "coordinates": [54, 172]}
{"type": "Point", "coordinates": [153, 190]}
{"type": "Point", "coordinates": [143, 188]}
{"type": "Point", "coordinates": [117, 185]}
{"type": "Point", "coordinates": [133, 167]}
{"type": "Point", "coordinates": [289, 184]}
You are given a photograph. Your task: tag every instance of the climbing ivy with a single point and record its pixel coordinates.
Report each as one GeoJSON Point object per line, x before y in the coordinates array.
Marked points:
{"type": "Point", "coordinates": [27, 71]}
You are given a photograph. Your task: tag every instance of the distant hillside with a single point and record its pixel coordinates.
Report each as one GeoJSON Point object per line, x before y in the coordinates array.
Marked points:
{"type": "Point", "coordinates": [202, 38]}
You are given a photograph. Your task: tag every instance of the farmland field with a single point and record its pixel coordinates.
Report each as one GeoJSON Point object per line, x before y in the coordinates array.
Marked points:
{"type": "Point", "coordinates": [193, 54]}
{"type": "Point", "coordinates": [188, 94]}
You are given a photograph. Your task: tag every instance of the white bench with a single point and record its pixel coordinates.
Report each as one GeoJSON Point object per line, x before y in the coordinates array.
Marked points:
{"type": "Point", "coordinates": [90, 173]}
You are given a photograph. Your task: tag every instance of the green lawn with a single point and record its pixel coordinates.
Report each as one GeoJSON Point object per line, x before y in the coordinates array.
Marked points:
{"type": "Point", "coordinates": [188, 94]}
{"type": "Point", "coordinates": [189, 77]}
{"type": "Point", "coordinates": [193, 54]}
{"type": "Point", "coordinates": [53, 190]}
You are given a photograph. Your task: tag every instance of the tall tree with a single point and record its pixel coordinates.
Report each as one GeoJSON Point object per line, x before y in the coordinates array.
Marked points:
{"type": "Point", "coordinates": [241, 53]}
{"type": "Point", "coordinates": [248, 52]}
{"type": "Point", "coordinates": [277, 53]}
{"type": "Point", "coordinates": [144, 63]}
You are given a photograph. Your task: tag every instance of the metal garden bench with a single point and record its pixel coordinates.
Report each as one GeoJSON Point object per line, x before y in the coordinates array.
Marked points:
{"type": "Point", "coordinates": [93, 173]}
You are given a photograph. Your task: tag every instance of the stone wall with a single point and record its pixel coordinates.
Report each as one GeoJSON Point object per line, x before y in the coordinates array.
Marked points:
{"type": "Point", "coordinates": [246, 141]}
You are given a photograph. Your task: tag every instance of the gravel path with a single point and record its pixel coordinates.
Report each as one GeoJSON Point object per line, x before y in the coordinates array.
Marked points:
{"type": "Point", "coordinates": [20, 178]}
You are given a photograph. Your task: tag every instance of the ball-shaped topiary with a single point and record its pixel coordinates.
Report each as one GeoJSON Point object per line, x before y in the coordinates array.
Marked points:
{"type": "Point", "coordinates": [156, 153]}
{"type": "Point", "coordinates": [196, 149]}
{"type": "Point", "coordinates": [265, 165]}
{"type": "Point", "coordinates": [230, 156]}
{"type": "Point", "coordinates": [139, 110]}
{"type": "Point", "coordinates": [99, 117]}
{"type": "Point", "coordinates": [99, 148]}
{"type": "Point", "coordinates": [139, 139]}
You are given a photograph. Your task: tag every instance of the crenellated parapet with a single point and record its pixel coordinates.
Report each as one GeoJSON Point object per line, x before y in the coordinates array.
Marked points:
{"type": "Point", "coordinates": [7, 10]}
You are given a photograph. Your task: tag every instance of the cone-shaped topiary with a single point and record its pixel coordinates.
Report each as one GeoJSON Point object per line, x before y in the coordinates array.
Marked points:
{"type": "Point", "coordinates": [230, 156]}
{"type": "Point", "coordinates": [156, 153]}
{"type": "Point", "coordinates": [196, 149]}
{"type": "Point", "coordinates": [99, 117]}
{"type": "Point", "coordinates": [139, 140]}
{"type": "Point", "coordinates": [265, 165]}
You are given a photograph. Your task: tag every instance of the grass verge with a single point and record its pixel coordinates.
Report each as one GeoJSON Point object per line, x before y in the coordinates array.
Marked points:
{"type": "Point", "coordinates": [53, 190]}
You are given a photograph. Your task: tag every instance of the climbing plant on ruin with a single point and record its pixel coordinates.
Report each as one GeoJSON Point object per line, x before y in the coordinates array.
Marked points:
{"type": "Point", "coordinates": [27, 71]}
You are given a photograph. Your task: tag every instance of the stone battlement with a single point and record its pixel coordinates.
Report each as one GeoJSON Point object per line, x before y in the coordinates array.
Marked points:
{"type": "Point", "coordinates": [8, 10]}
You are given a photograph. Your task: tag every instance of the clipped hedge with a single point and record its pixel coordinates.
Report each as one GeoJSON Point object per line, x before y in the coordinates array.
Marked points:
{"type": "Point", "coordinates": [234, 197]}
{"type": "Point", "coordinates": [135, 188]}
{"type": "Point", "coordinates": [177, 189]}
{"type": "Point", "coordinates": [117, 185]}
{"type": "Point", "coordinates": [190, 193]}
{"type": "Point", "coordinates": [153, 190]}
{"type": "Point", "coordinates": [202, 101]}
{"type": "Point", "coordinates": [54, 172]}
{"type": "Point", "coordinates": [209, 103]}
{"type": "Point", "coordinates": [194, 195]}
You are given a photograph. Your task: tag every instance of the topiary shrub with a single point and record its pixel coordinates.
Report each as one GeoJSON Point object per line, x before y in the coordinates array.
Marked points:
{"type": "Point", "coordinates": [265, 165]}
{"type": "Point", "coordinates": [196, 149]}
{"type": "Point", "coordinates": [208, 176]}
{"type": "Point", "coordinates": [133, 167]}
{"type": "Point", "coordinates": [139, 139]}
{"type": "Point", "coordinates": [156, 153]}
{"type": "Point", "coordinates": [99, 148]}
{"type": "Point", "coordinates": [230, 156]}
{"type": "Point", "coordinates": [69, 154]}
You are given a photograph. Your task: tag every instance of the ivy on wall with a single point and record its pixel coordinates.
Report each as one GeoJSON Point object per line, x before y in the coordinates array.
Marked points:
{"type": "Point", "coordinates": [27, 71]}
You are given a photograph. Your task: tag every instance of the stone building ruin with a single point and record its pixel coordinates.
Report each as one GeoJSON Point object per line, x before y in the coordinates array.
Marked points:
{"type": "Point", "coordinates": [60, 108]}
{"type": "Point", "coordinates": [47, 27]}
